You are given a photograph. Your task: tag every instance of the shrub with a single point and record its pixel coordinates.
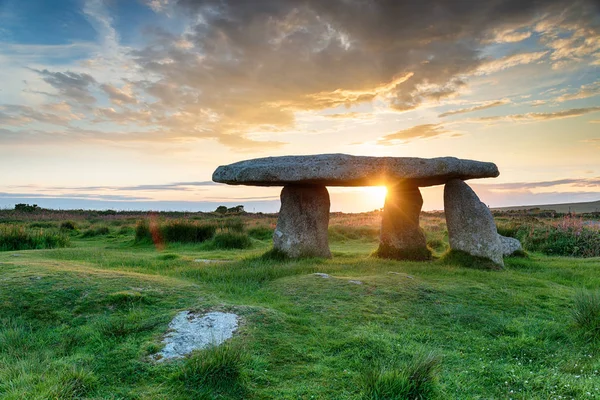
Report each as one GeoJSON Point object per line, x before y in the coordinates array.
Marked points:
{"type": "Point", "coordinates": [26, 207]}
{"type": "Point", "coordinates": [231, 240]}
{"type": "Point", "coordinates": [417, 380]}
{"type": "Point", "coordinates": [125, 230]}
{"type": "Point", "coordinates": [562, 240]}
{"type": "Point", "coordinates": [42, 225]}
{"type": "Point", "coordinates": [187, 232]}
{"type": "Point", "coordinates": [102, 230]}
{"type": "Point", "coordinates": [586, 313]}
{"type": "Point", "coordinates": [142, 232]}
{"type": "Point", "coordinates": [261, 233]}
{"type": "Point", "coordinates": [19, 238]}
{"type": "Point", "coordinates": [216, 369]}
{"type": "Point", "coordinates": [68, 226]}
{"type": "Point", "coordinates": [232, 225]}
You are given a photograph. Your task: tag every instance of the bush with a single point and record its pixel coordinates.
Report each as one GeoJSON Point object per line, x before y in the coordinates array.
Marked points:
{"type": "Point", "coordinates": [261, 233]}
{"type": "Point", "coordinates": [232, 225]}
{"type": "Point", "coordinates": [174, 231]}
{"type": "Point", "coordinates": [230, 240]}
{"type": "Point", "coordinates": [42, 225]}
{"type": "Point", "coordinates": [102, 230]}
{"type": "Point", "coordinates": [586, 313]}
{"type": "Point", "coordinates": [26, 207]}
{"type": "Point", "coordinates": [125, 230]}
{"type": "Point", "coordinates": [68, 226]}
{"type": "Point", "coordinates": [18, 238]}
{"type": "Point", "coordinates": [215, 370]}
{"type": "Point", "coordinates": [417, 380]}
{"type": "Point", "coordinates": [142, 232]}
{"type": "Point", "coordinates": [187, 232]}
{"type": "Point", "coordinates": [563, 241]}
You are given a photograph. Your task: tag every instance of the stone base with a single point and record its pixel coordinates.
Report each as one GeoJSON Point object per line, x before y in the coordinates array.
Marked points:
{"type": "Point", "coordinates": [401, 236]}
{"type": "Point", "coordinates": [303, 221]}
{"type": "Point", "coordinates": [471, 226]}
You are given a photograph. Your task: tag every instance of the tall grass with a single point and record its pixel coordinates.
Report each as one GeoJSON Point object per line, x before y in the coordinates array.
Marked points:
{"type": "Point", "coordinates": [216, 370]}
{"type": "Point", "coordinates": [417, 380]}
{"type": "Point", "coordinates": [569, 236]}
{"type": "Point", "coordinates": [174, 231]}
{"type": "Point", "coordinates": [14, 237]}
{"type": "Point", "coordinates": [586, 313]}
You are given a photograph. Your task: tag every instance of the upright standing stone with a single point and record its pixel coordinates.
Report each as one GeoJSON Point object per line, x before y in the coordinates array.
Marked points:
{"type": "Point", "coordinates": [401, 237]}
{"type": "Point", "coordinates": [471, 226]}
{"type": "Point", "coordinates": [303, 220]}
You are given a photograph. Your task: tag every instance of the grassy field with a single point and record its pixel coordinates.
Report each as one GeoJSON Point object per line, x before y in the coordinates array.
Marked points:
{"type": "Point", "coordinates": [82, 321]}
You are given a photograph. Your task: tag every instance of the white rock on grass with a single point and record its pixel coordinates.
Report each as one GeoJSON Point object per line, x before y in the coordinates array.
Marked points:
{"type": "Point", "coordinates": [510, 245]}
{"type": "Point", "coordinates": [189, 332]}
{"type": "Point", "coordinates": [322, 275]}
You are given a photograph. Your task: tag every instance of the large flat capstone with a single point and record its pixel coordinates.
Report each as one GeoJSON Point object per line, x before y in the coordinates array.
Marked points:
{"type": "Point", "coordinates": [347, 170]}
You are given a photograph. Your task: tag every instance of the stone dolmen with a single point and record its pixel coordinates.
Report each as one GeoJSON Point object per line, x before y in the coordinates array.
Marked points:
{"type": "Point", "coordinates": [304, 215]}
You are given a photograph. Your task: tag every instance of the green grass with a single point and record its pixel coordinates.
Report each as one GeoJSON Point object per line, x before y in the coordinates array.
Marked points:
{"type": "Point", "coordinates": [586, 313]}
{"type": "Point", "coordinates": [15, 237]}
{"type": "Point", "coordinates": [84, 321]}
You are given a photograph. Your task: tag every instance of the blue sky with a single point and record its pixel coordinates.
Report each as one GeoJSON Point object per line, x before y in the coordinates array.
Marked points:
{"type": "Point", "coordinates": [114, 104]}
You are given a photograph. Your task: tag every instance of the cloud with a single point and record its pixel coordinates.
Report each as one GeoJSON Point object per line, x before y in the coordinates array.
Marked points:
{"type": "Point", "coordinates": [503, 63]}
{"type": "Point", "coordinates": [570, 113]}
{"type": "Point", "coordinates": [521, 186]}
{"type": "Point", "coordinates": [119, 96]}
{"type": "Point", "coordinates": [484, 106]}
{"type": "Point", "coordinates": [415, 132]}
{"type": "Point", "coordinates": [510, 36]}
{"type": "Point", "coordinates": [584, 92]}
{"type": "Point", "coordinates": [72, 196]}
{"type": "Point", "coordinates": [17, 115]}
{"type": "Point", "coordinates": [72, 85]}
{"type": "Point", "coordinates": [350, 115]}
{"type": "Point", "coordinates": [237, 69]}
{"type": "Point", "coordinates": [281, 56]}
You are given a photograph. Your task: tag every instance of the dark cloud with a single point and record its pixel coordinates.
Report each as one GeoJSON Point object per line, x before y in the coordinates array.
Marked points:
{"type": "Point", "coordinates": [69, 84]}
{"type": "Point", "coordinates": [248, 65]}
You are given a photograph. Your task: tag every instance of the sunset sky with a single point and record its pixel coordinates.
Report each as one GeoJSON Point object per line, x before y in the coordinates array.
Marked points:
{"type": "Point", "coordinates": [133, 104]}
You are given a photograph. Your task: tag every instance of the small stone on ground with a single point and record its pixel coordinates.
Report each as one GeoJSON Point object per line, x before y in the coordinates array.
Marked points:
{"type": "Point", "coordinates": [356, 282]}
{"type": "Point", "coordinates": [322, 275]}
{"type": "Point", "coordinates": [189, 332]}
